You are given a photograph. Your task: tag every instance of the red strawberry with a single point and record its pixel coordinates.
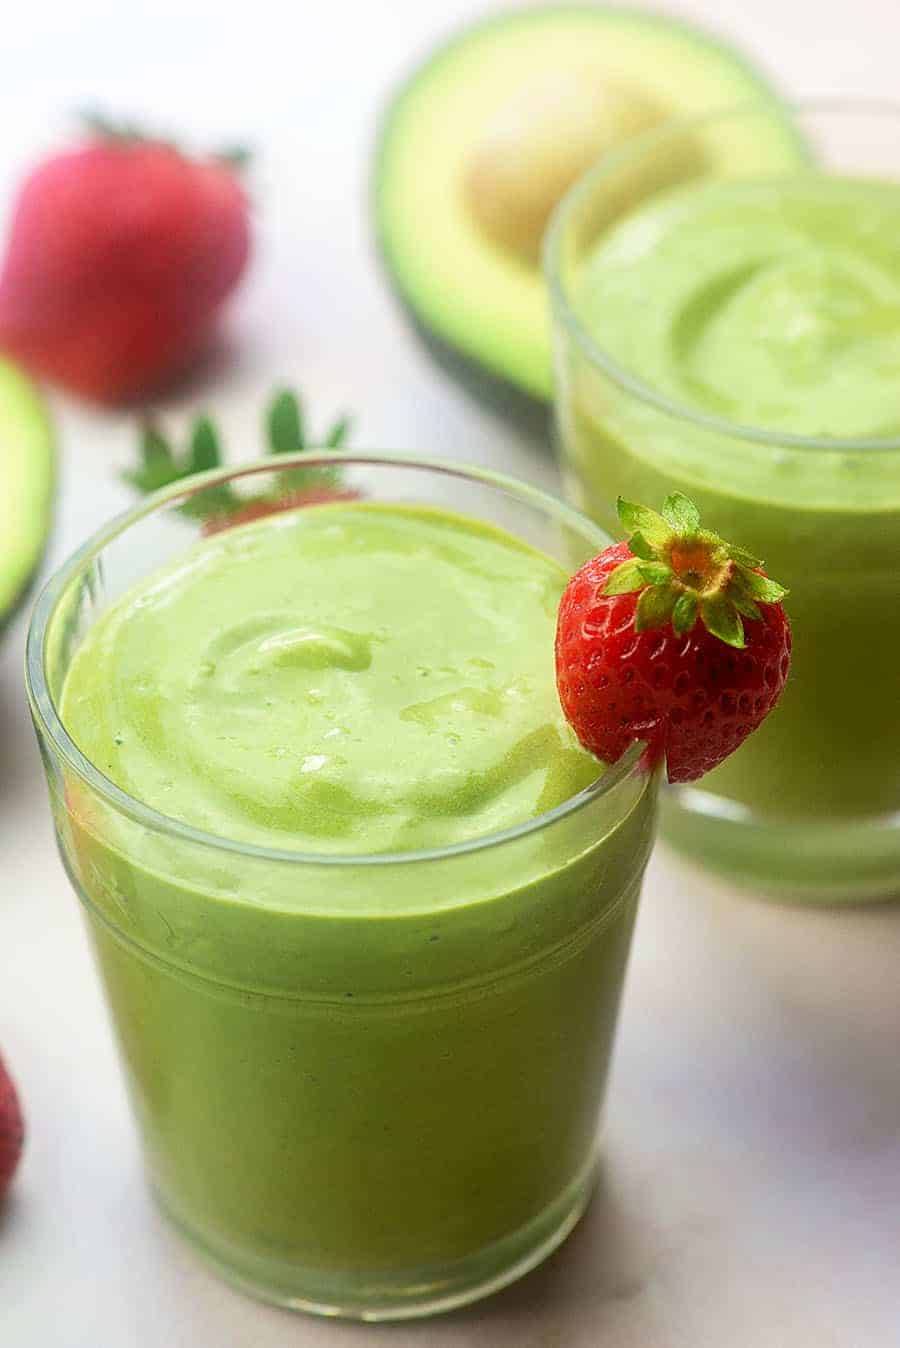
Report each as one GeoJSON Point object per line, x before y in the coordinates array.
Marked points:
{"type": "Point", "coordinates": [675, 638]}
{"type": "Point", "coordinates": [12, 1129]}
{"type": "Point", "coordinates": [121, 254]}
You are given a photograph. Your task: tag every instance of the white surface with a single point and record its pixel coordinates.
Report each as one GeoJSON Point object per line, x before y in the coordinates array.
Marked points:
{"type": "Point", "coordinates": [753, 1195]}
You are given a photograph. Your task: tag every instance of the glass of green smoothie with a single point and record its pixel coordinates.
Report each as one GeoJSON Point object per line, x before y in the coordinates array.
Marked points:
{"type": "Point", "coordinates": [726, 308]}
{"type": "Point", "coordinates": [360, 903]}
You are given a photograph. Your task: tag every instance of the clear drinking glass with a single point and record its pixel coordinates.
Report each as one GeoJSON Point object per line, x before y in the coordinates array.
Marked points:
{"type": "Point", "coordinates": [809, 807]}
{"type": "Point", "coordinates": [366, 1085]}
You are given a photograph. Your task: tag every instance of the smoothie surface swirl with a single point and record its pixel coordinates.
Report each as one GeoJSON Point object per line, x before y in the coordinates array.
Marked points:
{"type": "Point", "coordinates": [346, 678]}
{"type": "Point", "coordinates": [768, 303]}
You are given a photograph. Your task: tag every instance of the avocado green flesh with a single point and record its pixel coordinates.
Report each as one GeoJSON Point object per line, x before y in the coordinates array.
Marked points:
{"type": "Point", "coordinates": [26, 484]}
{"type": "Point", "coordinates": [486, 305]}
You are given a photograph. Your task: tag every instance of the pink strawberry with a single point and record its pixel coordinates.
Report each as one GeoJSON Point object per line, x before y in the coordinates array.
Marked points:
{"type": "Point", "coordinates": [12, 1129]}
{"type": "Point", "coordinates": [675, 638]}
{"type": "Point", "coordinates": [121, 255]}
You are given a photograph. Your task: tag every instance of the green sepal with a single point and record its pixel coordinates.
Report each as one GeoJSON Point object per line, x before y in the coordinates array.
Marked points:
{"type": "Point", "coordinates": [237, 157]}
{"type": "Point", "coordinates": [759, 587]}
{"type": "Point", "coordinates": [107, 128]}
{"type": "Point", "coordinates": [161, 466]}
{"type": "Point", "coordinates": [339, 432]}
{"type": "Point", "coordinates": [157, 468]}
{"type": "Point", "coordinates": [641, 548]}
{"type": "Point", "coordinates": [641, 519]}
{"type": "Point", "coordinates": [155, 447]}
{"type": "Point", "coordinates": [625, 578]}
{"type": "Point", "coordinates": [220, 500]}
{"type": "Point", "coordinates": [743, 557]}
{"type": "Point", "coordinates": [104, 127]}
{"type": "Point", "coordinates": [744, 605]}
{"type": "Point", "coordinates": [684, 614]}
{"type": "Point", "coordinates": [655, 573]}
{"type": "Point", "coordinates": [205, 452]}
{"type": "Point", "coordinates": [681, 513]}
{"type": "Point", "coordinates": [654, 607]}
{"type": "Point", "coordinates": [684, 572]}
{"type": "Point", "coordinates": [284, 424]}
{"type": "Point", "coordinates": [721, 619]}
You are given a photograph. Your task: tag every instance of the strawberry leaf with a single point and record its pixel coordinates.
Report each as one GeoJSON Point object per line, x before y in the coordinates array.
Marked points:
{"type": "Point", "coordinates": [107, 128]}
{"type": "Point", "coordinates": [743, 557]}
{"type": "Point", "coordinates": [624, 579]}
{"type": "Point", "coordinates": [722, 620]}
{"type": "Point", "coordinates": [284, 424]}
{"type": "Point", "coordinates": [643, 520]}
{"type": "Point", "coordinates": [655, 573]}
{"type": "Point", "coordinates": [155, 447]}
{"type": "Point", "coordinates": [743, 603]}
{"type": "Point", "coordinates": [237, 157]}
{"type": "Point", "coordinates": [684, 614]}
{"type": "Point", "coordinates": [158, 467]}
{"type": "Point", "coordinates": [641, 548]}
{"type": "Point", "coordinates": [761, 588]}
{"type": "Point", "coordinates": [338, 433]}
{"type": "Point", "coordinates": [681, 513]}
{"type": "Point", "coordinates": [654, 607]}
{"type": "Point", "coordinates": [204, 449]}
{"type": "Point", "coordinates": [218, 500]}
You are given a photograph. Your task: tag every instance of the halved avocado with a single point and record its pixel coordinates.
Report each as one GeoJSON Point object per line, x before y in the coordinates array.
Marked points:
{"type": "Point", "coordinates": [27, 474]}
{"type": "Point", "coordinates": [481, 142]}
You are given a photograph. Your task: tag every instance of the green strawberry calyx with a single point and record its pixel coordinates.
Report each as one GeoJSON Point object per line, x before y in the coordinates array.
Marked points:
{"type": "Point", "coordinates": [284, 433]}
{"type": "Point", "coordinates": [101, 126]}
{"type": "Point", "coordinates": [685, 573]}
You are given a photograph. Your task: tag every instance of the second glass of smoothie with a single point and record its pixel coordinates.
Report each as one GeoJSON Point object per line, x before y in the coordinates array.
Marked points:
{"type": "Point", "coordinates": [736, 337]}
{"type": "Point", "coordinates": [360, 902]}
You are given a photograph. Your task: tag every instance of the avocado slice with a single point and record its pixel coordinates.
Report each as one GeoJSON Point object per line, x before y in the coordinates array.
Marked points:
{"type": "Point", "coordinates": [485, 137]}
{"type": "Point", "coordinates": [27, 475]}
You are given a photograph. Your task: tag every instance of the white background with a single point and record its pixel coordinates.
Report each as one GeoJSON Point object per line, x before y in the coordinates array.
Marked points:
{"type": "Point", "coordinates": [753, 1189]}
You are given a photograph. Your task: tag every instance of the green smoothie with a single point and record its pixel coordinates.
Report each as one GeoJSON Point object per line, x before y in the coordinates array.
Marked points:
{"type": "Point", "coordinates": [775, 305]}
{"type": "Point", "coordinates": [361, 1074]}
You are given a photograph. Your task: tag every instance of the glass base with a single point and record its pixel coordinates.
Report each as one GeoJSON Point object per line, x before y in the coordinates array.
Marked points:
{"type": "Point", "coordinates": [819, 861]}
{"type": "Point", "coordinates": [408, 1295]}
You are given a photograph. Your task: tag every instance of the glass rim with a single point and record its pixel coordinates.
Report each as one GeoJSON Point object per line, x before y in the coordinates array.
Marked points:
{"type": "Point", "coordinates": [636, 146]}
{"type": "Point", "coordinates": [49, 721]}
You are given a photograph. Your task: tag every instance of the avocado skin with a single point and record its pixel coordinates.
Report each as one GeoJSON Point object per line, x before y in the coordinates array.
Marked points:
{"type": "Point", "coordinates": [23, 596]}
{"type": "Point", "coordinates": [532, 416]}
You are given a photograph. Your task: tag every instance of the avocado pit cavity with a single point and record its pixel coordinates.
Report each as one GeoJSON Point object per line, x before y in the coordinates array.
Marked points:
{"type": "Point", "coordinates": [539, 143]}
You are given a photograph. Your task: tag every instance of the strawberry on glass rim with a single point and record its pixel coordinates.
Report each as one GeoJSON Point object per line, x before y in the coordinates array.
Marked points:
{"type": "Point", "coordinates": [675, 638]}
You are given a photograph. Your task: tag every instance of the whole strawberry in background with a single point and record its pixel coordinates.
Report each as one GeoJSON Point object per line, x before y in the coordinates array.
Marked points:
{"type": "Point", "coordinates": [675, 638]}
{"type": "Point", "coordinates": [12, 1129]}
{"type": "Point", "coordinates": [121, 254]}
